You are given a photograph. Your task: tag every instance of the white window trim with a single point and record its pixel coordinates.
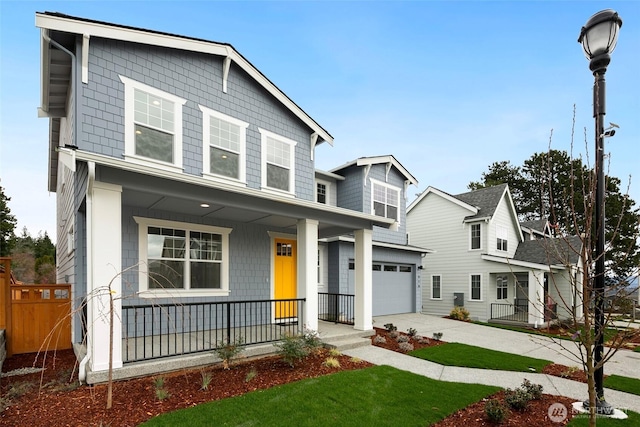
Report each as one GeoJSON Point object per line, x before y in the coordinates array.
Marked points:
{"type": "Point", "coordinates": [327, 186]}
{"type": "Point", "coordinates": [393, 187]}
{"type": "Point", "coordinates": [470, 289]}
{"type": "Point", "coordinates": [207, 113]}
{"type": "Point", "coordinates": [431, 286]}
{"type": "Point", "coordinates": [143, 284]}
{"type": "Point", "coordinates": [501, 278]}
{"type": "Point", "coordinates": [129, 125]}
{"type": "Point", "coordinates": [471, 237]}
{"type": "Point", "coordinates": [502, 233]}
{"type": "Point", "coordinates": [264, 134]}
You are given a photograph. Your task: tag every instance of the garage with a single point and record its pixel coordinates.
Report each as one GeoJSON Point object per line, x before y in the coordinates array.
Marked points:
{"type": "Point", "coordinates": [393, 288]}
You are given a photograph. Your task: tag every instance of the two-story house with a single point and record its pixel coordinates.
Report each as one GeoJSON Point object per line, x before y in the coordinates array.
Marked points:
{"type": "Point", "coordinates": [376, 185]}
{"type": "Point", "coordinates": [187, 197]}
{"type": "Point", "coordinates": [485, 260]}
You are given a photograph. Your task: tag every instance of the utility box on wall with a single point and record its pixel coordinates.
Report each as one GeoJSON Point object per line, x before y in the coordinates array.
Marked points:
{"type": "Point", "coordinates": [458, 299]}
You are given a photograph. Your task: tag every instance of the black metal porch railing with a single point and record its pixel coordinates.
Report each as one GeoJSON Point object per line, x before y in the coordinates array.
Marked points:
{"type": "Point", "coordinates": [517, 312]}
{"type": "Point", "coordinates": [337, 308]}
{"type": "Point", "coordinates": [164, 330]}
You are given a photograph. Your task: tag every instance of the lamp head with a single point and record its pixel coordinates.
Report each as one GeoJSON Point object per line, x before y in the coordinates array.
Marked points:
{"type": "Point", "coordinates": [599, 37]}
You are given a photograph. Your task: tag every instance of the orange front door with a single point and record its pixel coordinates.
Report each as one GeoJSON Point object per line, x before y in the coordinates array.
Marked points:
{"type": "Point", "coordinates": [285, 278]}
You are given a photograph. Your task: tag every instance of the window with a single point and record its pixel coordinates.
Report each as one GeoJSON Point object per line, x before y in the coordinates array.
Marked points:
{"type": "Point", "coordinates": [501, 238]}
{"type": "Point", "coordinates": [321, 193]}
{"type": "Point", "coordinates": [183, 259]}
{"type": "Point", "coordinates": [501, 286]}
{"type": "Point", "coordinates": [385, 200]}
{"type": "Point", "coordinates": [476, 287]}
{"type": "Point", "coordinates": [393, 268]}
{"type": "Point", "coordinates": [153, 125]}
{"type": "Point", "coordinates": [436, 287]}
{"type": "Point", "coordinates": [278, 161]}
{"type": "Point", "coordinates": [475, 236]}
{"type": "Point", "coordinates": [405, 269]}
{"type": "Point", "coordinates": [224, 148]}
{"type": "Point", "coordinates": [377, 267]}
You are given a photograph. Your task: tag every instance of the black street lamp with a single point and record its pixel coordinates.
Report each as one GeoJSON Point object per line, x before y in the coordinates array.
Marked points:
{"type": "Point", "coordinates": [599, 37]}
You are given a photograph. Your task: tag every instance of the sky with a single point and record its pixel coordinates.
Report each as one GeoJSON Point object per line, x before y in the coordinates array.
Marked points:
{"type": "Point", "coordinates": [448, 88]}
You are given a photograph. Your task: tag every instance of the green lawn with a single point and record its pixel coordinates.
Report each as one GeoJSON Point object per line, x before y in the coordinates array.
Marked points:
{"type": "Point", "coordinates": [380, 396]}
{"type": "Point", "coordinates": [617, 382]}
{"type": "Point", "coordinates": [583, 421]}
{"type": "Point", "coordinates": [455, 354]}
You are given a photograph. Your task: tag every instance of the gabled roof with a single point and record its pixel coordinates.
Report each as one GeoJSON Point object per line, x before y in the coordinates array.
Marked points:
{"type": "Point", "coordinates": [88, 28]}
{"type": "Point", "coordinates": [444, 195]}
{"type": "Point", "coordinates": [389, 160]}
{"type": "Point", "coordinates": [561, 251]}
{"type": "Point", "coordinates": [539, 227]}
{"type": "Point", "coordinates": [485, 199]}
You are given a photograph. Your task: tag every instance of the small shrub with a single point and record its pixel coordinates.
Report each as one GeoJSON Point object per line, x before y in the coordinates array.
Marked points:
{"type": "Point", "coordinates": [411, 332]}
{"type": "Point", "coordinates": [405, 347]}
{"type": "Point", "coordinates": [394, 334]}
{"type": "Point", "coordinates": [379, 339]}
{"type": "Point", "coordinates": [312, 340]}
{"type": "Point", "coordinates": [356, 360]}
{"type": "Point", "coordinates": [534, 390]}
{"type": "Point", "coordinates": [334, 352]}
{"type": "Point", "coordinates": [390, 327]}
{"type": "Point", "coordinates": [569, 371]}
{"type": "Point", "coordinates": [423, 340]}
{"type": "Point", "coordinates": [517, 399]}
{"type": "Point", "coordinates": [437, 336]}
{"type": "Point", "coordinates": [496, 411]}
{"type": "Point", "coordinates": [229, 351]}
{"type": "Point", "coordinates": [459, 313]}
{"type": "Point", "coordinates": [331, 362]}
{"type": "Point", "coordinates": [292, 348]}
{"type": "Point", "coordinates": [206, 378]}
{"type": "Point", "coordinates": [402, 338]}
{"type": "Point", "coordinates": [158, 382]}
{"type": "Point", "coordinates": [250, 375]}
{"type": "Point", "coordinates": [162, 394]}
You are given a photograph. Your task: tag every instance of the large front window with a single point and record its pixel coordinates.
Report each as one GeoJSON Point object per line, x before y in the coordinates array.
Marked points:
{"type": "Point", "coordinates": [385, 199]}
{"type": "Point", "coordinates": [224, 140]}
{"type": "Point", "coordinates": [183, 258]}
{"type": "Point", "coordinates": [153, 125]}
{"type": "Point", "coordinates": [278, 162]}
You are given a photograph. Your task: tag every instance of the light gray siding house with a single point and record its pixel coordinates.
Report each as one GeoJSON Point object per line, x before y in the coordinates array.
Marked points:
{"type": "Point", "coordinates": [485, 260]}
{"type": "Point", "coordinates": [187, 190]}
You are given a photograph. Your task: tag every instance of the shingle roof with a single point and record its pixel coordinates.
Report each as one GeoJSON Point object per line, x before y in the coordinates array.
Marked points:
{"type": "Point", "coordinates": [535, 225]}
{"type": "Point", "coordinates": [485, 199]}
{"type": "Point", "coordinates": [550, 251]}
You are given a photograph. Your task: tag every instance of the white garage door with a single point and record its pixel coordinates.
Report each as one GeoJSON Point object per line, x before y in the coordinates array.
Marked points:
{"type": "Point", "coordinates": [393, 288]}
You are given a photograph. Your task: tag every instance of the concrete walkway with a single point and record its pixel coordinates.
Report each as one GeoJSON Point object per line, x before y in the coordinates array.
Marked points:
{"type": "Point", "coordinates": [625, 363]}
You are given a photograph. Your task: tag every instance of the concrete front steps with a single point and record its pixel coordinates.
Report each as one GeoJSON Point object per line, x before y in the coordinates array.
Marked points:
{"type": "Point", "coordinates": [347, 339]}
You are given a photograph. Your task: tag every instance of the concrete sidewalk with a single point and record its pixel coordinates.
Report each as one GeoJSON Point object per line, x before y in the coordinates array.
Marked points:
{"type": "Point", "coordinates": [495, 339]}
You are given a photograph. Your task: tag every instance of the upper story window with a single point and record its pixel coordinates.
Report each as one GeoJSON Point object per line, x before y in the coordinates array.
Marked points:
{"type": "Point", "coordinates": [182, 259]}
{"type": "Point", "coordinates": [321, 192]}
{"type": "Point", "coordinates": [278, 162]}
{"type": "Point", "coordinates": [501, 238]}
{"type": "Point", "coordinates": [153, 125]}
{"type": "Point", "coordinates": [224, 148]}
{"type": "Point", "coordinates": [385, 199]}
{"type": "Point", "coordinates": [475, 236]}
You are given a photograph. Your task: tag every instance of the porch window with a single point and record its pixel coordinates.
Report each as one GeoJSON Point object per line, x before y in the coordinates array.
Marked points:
{"type": "Point", "coordinates": [153, 125]}
{"type": "Point", "coordinates": [501, 286]}
{"type": "Point", "coordinates": [278, 162]}
{"type": "Point", "coordinates": [476, 287]}
{"type": "Point", "coordinates": [182, 259]}
{"type": "Point", "coordinates": [436, 287]}
{"type": "Point", "coordinates": [501, 238]}
{"type": "Point", "coordinates": [475, 236]}
{"type": "Point", "coordinates": [224, 145]}
{"type": "Point", "coordinates": [385, 199]}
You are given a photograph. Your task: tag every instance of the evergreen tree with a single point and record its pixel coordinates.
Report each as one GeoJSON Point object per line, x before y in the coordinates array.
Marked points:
{"type": "Point", "coordinates": [7, 225]}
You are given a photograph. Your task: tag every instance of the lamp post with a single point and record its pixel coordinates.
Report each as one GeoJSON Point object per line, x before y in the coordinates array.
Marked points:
{"type": "Point", "coordinates": [598, 38]}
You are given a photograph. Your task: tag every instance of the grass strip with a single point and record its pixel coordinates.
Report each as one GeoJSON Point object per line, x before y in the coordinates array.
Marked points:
{"type": "Point", "coordinates": [583, 421]}
{"type": "Point", "coordinates": [626, 384]}
{"type": "Point", "coordinates": [456, 354]}
{"type": "Point", "coordinates": [380, 396]}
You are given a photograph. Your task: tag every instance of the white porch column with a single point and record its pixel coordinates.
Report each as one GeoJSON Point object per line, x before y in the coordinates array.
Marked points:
{"type": "Point", "coordinates": [105, 256]}
{"type": "Point", "coordinates": [364, 280]}
{"type": "Point", "coordinates": [307, 279]}
{"type": "Point", "coordinates": [576, 291]}
{"type": "Point", "coordinates": [536, 297]}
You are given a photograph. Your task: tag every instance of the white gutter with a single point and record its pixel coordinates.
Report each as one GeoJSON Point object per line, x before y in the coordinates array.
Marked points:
{"type": "Point", "coordinates": [82, 368]}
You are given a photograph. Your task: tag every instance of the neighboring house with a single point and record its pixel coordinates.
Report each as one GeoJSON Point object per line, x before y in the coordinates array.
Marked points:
{"type": "Point", "coordinates": [485, 260]}
{"type": "Point", "coordinates": [186, 189]}
{"type": "Point", "coordinates": [376, 185]}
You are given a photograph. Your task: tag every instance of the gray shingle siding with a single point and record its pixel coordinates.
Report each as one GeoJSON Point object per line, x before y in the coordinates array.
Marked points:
{"type": "Point", "coordinates": [197, 78]}
{"type": "Point", "coordinates": [350, 191]}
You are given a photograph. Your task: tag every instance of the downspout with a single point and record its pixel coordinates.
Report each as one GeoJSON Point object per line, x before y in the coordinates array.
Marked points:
{"type": "Point", "coordinates": [82, 371]}
{"type": "Point", "coordinates": [82, 368]}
